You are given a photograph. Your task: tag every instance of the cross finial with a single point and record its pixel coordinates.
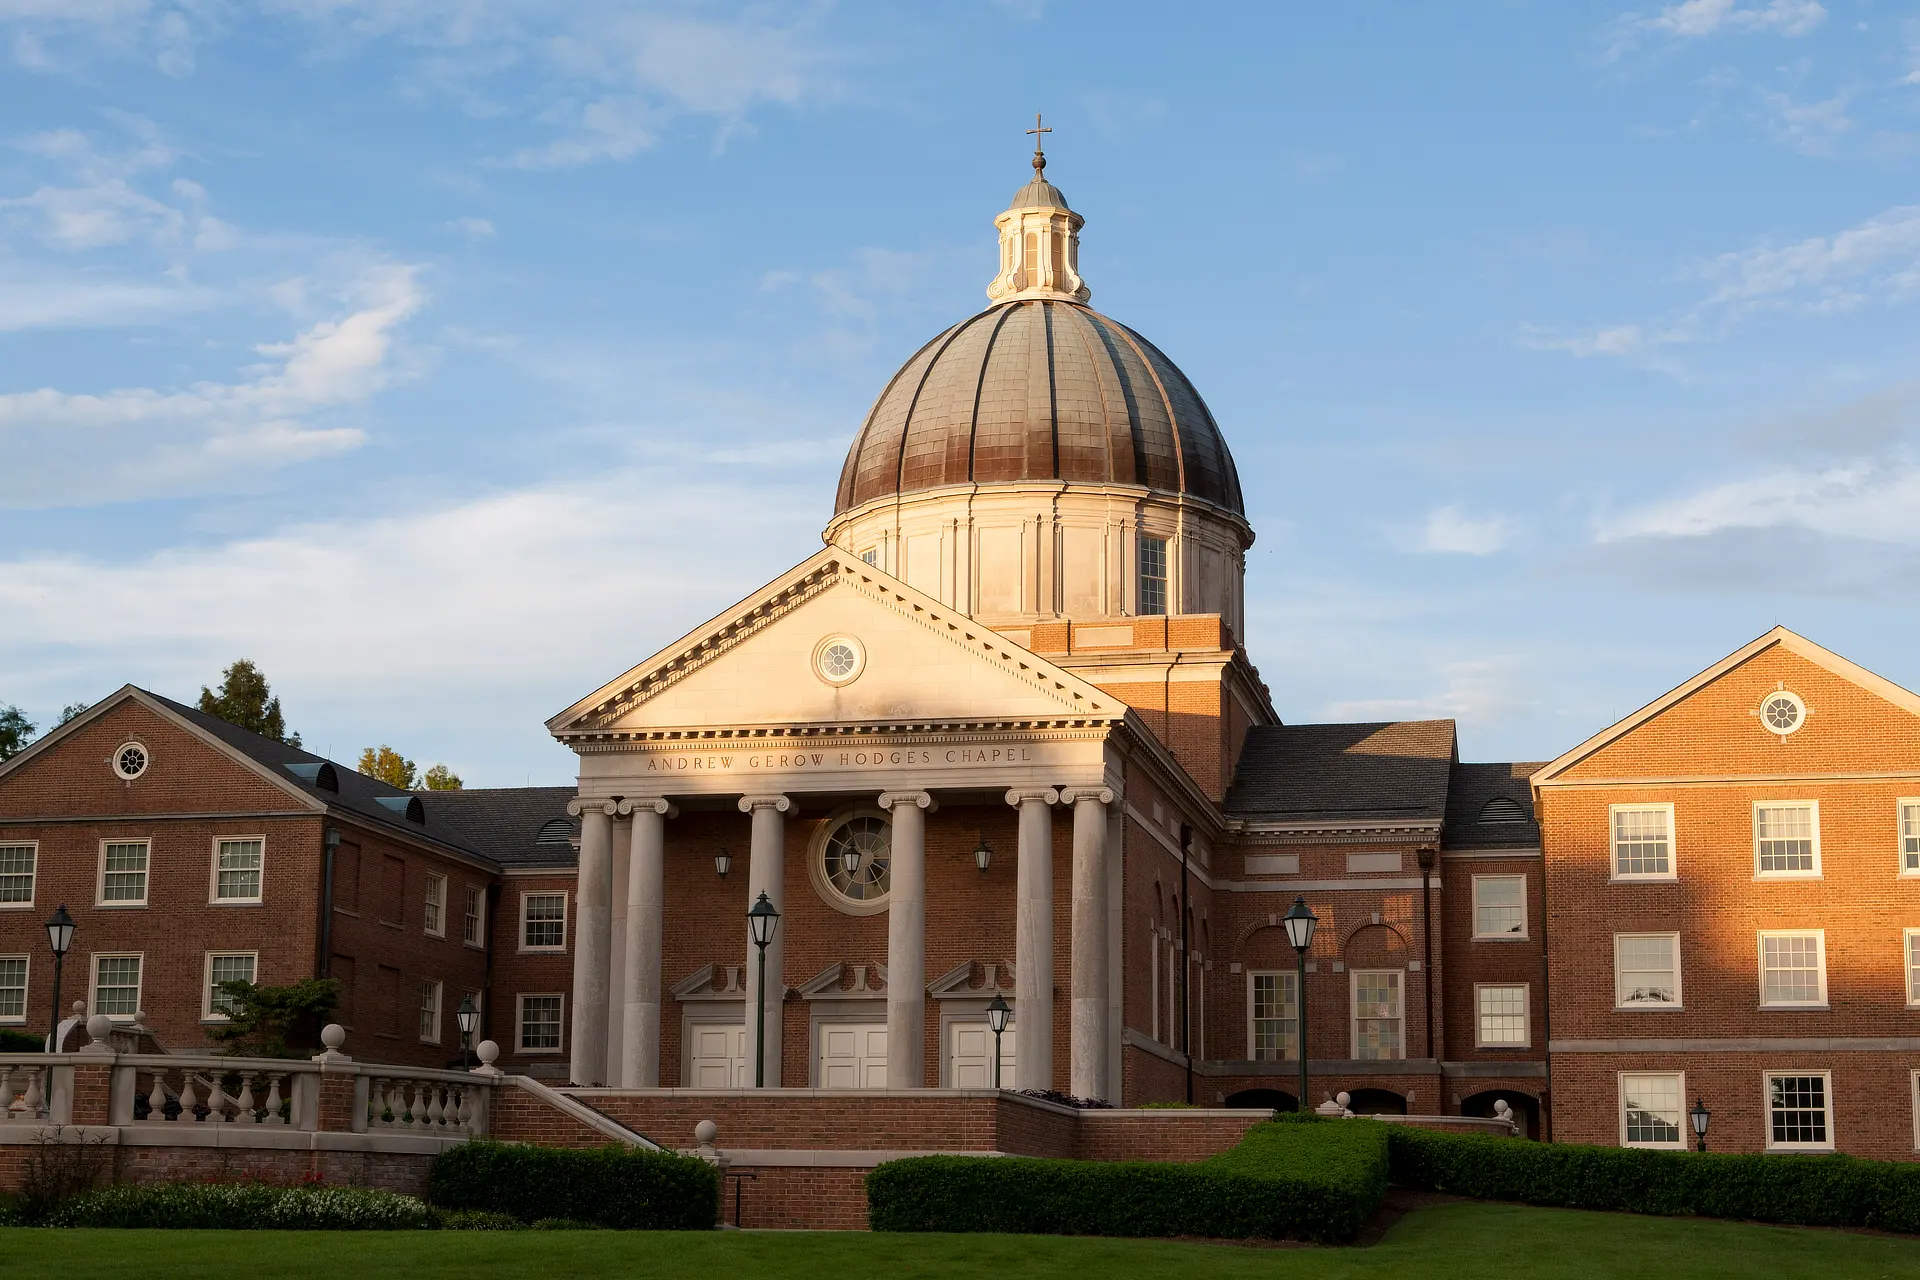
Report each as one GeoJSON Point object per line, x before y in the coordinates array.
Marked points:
{"type": "Point", "coordinates": [1039, 155]}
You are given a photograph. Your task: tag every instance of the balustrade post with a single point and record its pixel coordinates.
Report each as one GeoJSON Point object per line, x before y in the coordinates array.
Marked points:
{"type": "Point", "coordinates": [274, 1101]}
{"type": "Point", "coordinates": [157, 1099]}
{"type": "Point", "coordinates": [125, 1086]}
{"type": "Point", "coordinates": [189, 1101]}
{"type": "Point", "coordinates": [6, 1093]}
{"type": "Point", "coordinates": [245, 1114]}
{"type": "Point", "coordinates": [36, 1097]}
{"type": "Point", "coordinates": [216, 1100]}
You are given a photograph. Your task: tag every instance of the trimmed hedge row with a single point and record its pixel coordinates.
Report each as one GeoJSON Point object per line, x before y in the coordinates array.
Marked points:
{"type": "Point", "coordinates": [244, 1207]}
{"type": "Point", "coordinates": [623, 1187]}
{"type": "Point", "coordinates": [1294, 1177]}
{"type": "Point", "coordinates": [1825, 1191]}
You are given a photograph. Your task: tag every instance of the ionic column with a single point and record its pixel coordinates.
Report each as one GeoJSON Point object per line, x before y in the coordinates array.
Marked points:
{"type": "Point", "coordinates": [1033, 940]}
{"type": "Point", "coordinates": [907, 940]}
{"type": "Point", "coordinates": [592, 940]}
{"type": "Point", "coordinates": [646, 876]}
{"type": "Point", "coordinates": [1087, 1037]}
{"type": "Point", "coordinates": [766, 873]}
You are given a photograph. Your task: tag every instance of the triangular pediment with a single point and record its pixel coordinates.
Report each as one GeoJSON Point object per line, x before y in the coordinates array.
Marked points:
{"type": "Point", "coordinates": [760, 664]}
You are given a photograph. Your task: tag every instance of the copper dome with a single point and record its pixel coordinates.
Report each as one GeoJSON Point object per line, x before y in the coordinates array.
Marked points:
{"type": "Point", "coordinates": [1037, 390]}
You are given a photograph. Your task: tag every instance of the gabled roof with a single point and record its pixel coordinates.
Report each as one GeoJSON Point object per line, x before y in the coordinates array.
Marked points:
{"type": "Point", "coordinates": [515, 826]}
{"type": "Point", "coordinates": [1391, 771]}
{"type": "Point", "coordinates": [1779, 637]}
{"type": "Point", "coordinates": [1490, 806]}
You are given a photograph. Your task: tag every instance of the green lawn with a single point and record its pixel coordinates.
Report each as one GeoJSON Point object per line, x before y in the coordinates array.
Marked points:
{"type": "Point", "coordinates": [1464, 1240]}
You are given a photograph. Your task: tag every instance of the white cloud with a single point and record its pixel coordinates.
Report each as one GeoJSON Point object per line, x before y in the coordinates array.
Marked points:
{"type": "Point", "coordinates": [95, 203]}
{"type": "Point", "coordinates": [166, 33]}
{"type": "Point", "coordinates": [1696, 19]}
{"type": "Point", "coordinates": [32, 298]}
{"type": "Point", "coordinates": [1877, 500]}
{"type": "Point", "coordinates": [1811, 128]}
{"type": "Point", "coordinates": [1620, 340]}
{"type": "Point", "coordinates": [475, 229]}
{"type": "Point", "coordinates": [1477, 691]}
{"type": "Point", "coordinates": [1451, 530]}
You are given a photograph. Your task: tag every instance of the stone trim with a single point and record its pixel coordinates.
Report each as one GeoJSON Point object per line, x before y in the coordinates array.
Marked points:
{"type": "Point", "coordinates": [1493, 1070]}
{"type": "Point", "coordinates": [1766, 1044]}
{"type": "Point", "coordinates": [577, 1110]}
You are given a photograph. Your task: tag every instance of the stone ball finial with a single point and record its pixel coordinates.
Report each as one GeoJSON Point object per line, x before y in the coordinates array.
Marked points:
{"type": "Point", "coordinates": [1500, 1108]}
{"type": "Point", "coordinates": [79, 1008]}
{"type": "Point", "coordinates": [99, 1027]}
{"type": "Point", "coordinates": [705, 1132]}
{"type": "Point", "coordinates": [1344, 1099]}
{"type": "Point", "coordinates": [333, 1035]}
{"type": "Point", "coordinates": [140, 1017]}
{"type": "Point", "coordinates": [486, 1051]}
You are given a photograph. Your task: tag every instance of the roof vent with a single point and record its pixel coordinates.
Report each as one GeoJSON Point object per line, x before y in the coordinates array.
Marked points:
{"type": "Point", "coordinates": [1503, 809]}
{"type": "Point", "coordinates": [408, 805]}
{"type": "Point", "coordinates": [555, 831]}
{"type": "Point", "coordinates": [318, 772]}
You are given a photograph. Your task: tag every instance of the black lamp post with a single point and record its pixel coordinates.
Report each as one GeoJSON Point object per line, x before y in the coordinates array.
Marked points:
{"type": "Point", "coordinates": [469, 1020]}
{"type": "Point", "coordinates": [998, 1013]}
{"type": "Point", "coordinates": [1300, 923]}
{"type": "Point", "coordinates": [982, 854]}
{"type": "Point", "coordinates": [722, 861]}
{"type": "Point", "coordinates": [850, 859]}
{"type": "Point", "coordinates": [762, 918]}
{"type": "Point", "coordinates": [1700, 1116]}
{"type": "Point", "coordinates": [60, 938]}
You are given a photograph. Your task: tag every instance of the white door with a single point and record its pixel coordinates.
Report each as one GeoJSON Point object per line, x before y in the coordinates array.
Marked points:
{"type": "Point", "coordinates": [718, 1055]}
{"type": "Point", "coordinates": [970, 1056]}
{"type": "Point", "coordinates": [853, 1055]}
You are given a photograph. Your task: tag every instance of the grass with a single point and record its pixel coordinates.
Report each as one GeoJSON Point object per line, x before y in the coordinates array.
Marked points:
{"type": "Point", "coordinates": [1456, 1240]}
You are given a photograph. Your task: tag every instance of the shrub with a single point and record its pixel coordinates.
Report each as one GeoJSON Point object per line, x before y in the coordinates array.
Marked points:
{"type": "Point", "coordinates": [609, 1186]}
{"type": "Point", "coordinates": [1287, 1179]}
{"type": "Point", "coordinates": [478, 1220]}
{"type": "Point", "coordinates": [12, 1041]}
{"type": "Point", "coordinates": [244, 1206]}
{"type": "Point", "coordinates": [1835, 1191]}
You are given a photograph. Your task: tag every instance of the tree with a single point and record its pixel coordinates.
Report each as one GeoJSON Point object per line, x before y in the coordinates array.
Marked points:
{"type": "Point", "coordinates": [390, 767]}
{"type": "Point", "coordinates": [72, 709]}
{"type": "Point", "coordinates": [16, 731]}
{"type": "Point", "coordinates": [441, 778]}
{"type": "Point", "coordinates": [245, 700]}
{"type": "Point", "coordinates": [275, 1022]}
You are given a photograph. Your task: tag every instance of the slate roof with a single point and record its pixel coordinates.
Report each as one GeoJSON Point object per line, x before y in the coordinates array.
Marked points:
{"type": "Point", "coordinates": [1394, 770]}
{"type": "Point", "coordinates": [1471, 824]}
{"type": "Point", "coordinates": [506, 823]}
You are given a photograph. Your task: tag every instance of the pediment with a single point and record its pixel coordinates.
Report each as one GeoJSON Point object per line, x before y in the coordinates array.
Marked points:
{"type": "Point", "coordinates": [756, 665]}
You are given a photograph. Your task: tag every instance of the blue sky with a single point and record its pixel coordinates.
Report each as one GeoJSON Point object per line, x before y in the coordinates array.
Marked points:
{"type": "Point", "coordinates": [446, 358]}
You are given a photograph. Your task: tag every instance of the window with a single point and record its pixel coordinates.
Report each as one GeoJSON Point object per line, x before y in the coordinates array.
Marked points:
{"type": "Point", "coordinates": [131, 760]}
{"type": "Point", "coordinates": [871, 838]}
{"type": "Point", "coordinates": [1273, 1012]}
{"type": "Point", "coordinates": [16, 874]}
{"type": "Point", "coordinates": [539, 1024]}
{"type": "Point", "coordinates": [1786, 839]}
{"type": "Point", "coordinates": [1782, 712]}
{"type": "Point", "coordinates": [872, 556]}
{"type": "Point", "coordinates": [543, 921]}
{"type": "Point", "coordinates": [236, 870]}
{"type": "Point", "coordinates": [471, 931]}
{"type": "Point", "coordinates": [1503, 1015]}
{"type": "Point", "coordinates": [116, 986]}
{"type": "Point", "coordinates": [1910, 837]}
{"type": "Point", "coordinates": [1652, 1109]}
{"type": "Point", "coordinates": [1153, 576]}
{"type": "Point", "coordinates": [1799, 1111]}
{"type": "Point", "coordinates": [123, 873]}
{"type": "Point", "coordinates": [1793, 968]}
{"type": "Point", "coordinates": [1646, 970]}
{"type": "Point", "coordinates": [1499, 906]}
{"type": "Point", "coordinates": [1913, 966]}
{"type": "Point", "coordinates": [436, 924]}
{"type": "Point", "coordinates": [13, 988]}
{"type": "Point", "coordinates": [226, 966]}
{"type": "Point", "coordinates": [430, 1013]}
{"type": "Point", "coordinates": [1642, 841]}
{"type": "Point", "coordinates": [1376, 1014]}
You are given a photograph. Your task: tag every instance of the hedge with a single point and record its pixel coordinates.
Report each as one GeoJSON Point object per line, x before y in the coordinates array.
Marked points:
{"type": "Point", "coordinates": [611, 1186]}
{"type": "Point", "coordinates": [1825, 1191]}
{"type": "Point", "coordinates": [1298, 1178]}
{"type": "Point", "coordinates": [243, 1207]}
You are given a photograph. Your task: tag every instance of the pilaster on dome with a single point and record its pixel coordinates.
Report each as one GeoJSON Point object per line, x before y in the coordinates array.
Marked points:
{"type": "Point", "coordinates": [1039, 240]}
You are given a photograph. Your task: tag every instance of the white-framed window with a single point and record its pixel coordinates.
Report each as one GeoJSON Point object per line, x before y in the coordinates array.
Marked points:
{"type": "Point", "coordinates": [13, 989]}
{"type": "Point", "coordinates": [116, 985]}
{"type": "Point", "coordinates": [429, 1012]}
{"type": "Point", "coordinates": [1153, 576]}
{"type": "Point", "coordinates": [1642, 841]}
{"type": "Point", "coordinates": [1911, 939]}
{"type": "Point", "coordinates": [1646, 971]}
{"type": "Point", "coordinates": [1786, 839]}
{"type": "Point", "coordinates": [1910, 837]}
{"type": "Point", "coordinates": [1499, 907]}
{"type": "Point", "coordinates": [1799, 1110]}
{"type": "Point", "coordinates": [1273, 1016]}
{"type": "Point", "coordinates": [473, 924]}
{"type": "Point", "coordinates": [123, 872]}
{"type": "Point", "coordinates": [872, 556]}
{"type": "Point", "coordinates": [1377, 1014]}
{"type": "Point", "coordinates": [1793, 968]}
{"type": "Point", "coordinates": [238, 866]}
{"type": "Point", "coordinates": [543, 922]}
{"type": "Point", "coordinates": [1653, 1109]}
{"type": "Point", "coordinates": [540, 1023]}
{"type": "Point", "coordinates": [17, 862]}
{"type": "Point", "coordinates": [226, 966]}
{"type": "Point", "coordinates": [1502, 1009]}
{"type": "Point", "coordinates": [436, 921]}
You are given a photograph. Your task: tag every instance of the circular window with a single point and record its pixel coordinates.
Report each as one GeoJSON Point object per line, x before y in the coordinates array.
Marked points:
{"type": "Point", "coordinates": [850, 862]}
{"type": "Point", "coordinates": [839, 660]}
{"type": "Point", "coordinates": [1782, 712]}
{"type": "Point", "coordinates": [130, 761]}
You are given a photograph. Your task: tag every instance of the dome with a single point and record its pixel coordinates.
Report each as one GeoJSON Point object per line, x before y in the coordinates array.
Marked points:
{"type": "Point", "coordinates": [1040, 389]}
{"type": "Point", "coordinates": [1038, 194]}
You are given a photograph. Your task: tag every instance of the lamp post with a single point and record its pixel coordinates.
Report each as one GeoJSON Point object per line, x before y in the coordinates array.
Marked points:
{"type": "Point", "coordinates": [762, 918]}
{"type": "Point", "coordinates": [469, 1020]}
{"type": "Point", "coordinates": [722, 861]}
{"type": "Point", "coordinates": [1300, 923]}
{"type": "Point", "coordinates": [998, 1012]}
{"type": "Point", "coordinates": [850, 859]}
{"type": "Point", "coordinates": [60, 938]}
{"type": "Point", "coordinates": [982, 854]}
{"type": "Point", "coordinates": [1700, 1116]}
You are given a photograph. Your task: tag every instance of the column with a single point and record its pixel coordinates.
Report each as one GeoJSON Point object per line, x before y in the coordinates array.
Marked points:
{"type": "Point", "coordinates": [1033, 940]}
{"type": "Point", "coordinates": [1087, 1037]}
{"type": "Point", "coordinates": [766, 873]}
{"type": "Point", "coordinates": [907, 940]}
{"type": "Point", "coordinates": [592, 941]}
{"type": "Point", "coordinates": [621, 844]}
{"type": "Point", "coordinates": [646, 876]}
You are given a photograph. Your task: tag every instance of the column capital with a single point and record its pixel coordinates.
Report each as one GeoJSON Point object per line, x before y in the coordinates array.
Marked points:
{"type": "Point", "coordinates": [1073, 795]}
{"type": "Point", "coordinates": [665, 808]}
{"type": "Point", "coordinates": [1017, 797]}
{"type": "Point", "coordinates": [583, 804]}
{"type": "Point", "coordinates": [919, 799]}
{"type": "Point", "coordinates": [780, 804]}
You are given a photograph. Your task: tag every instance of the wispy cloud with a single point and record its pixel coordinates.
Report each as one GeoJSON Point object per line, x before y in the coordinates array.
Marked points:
{"type": "Point", "coordinates": [1449, 530]}
{"type": "Point", "coordinates": [52, 34]}
{"type": "Point", "coordinates": [1696, 19]}
{"type": "Point", "coordinates": [475, 229]}
{"type": "Point", "coordinates": [1478, 691]}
